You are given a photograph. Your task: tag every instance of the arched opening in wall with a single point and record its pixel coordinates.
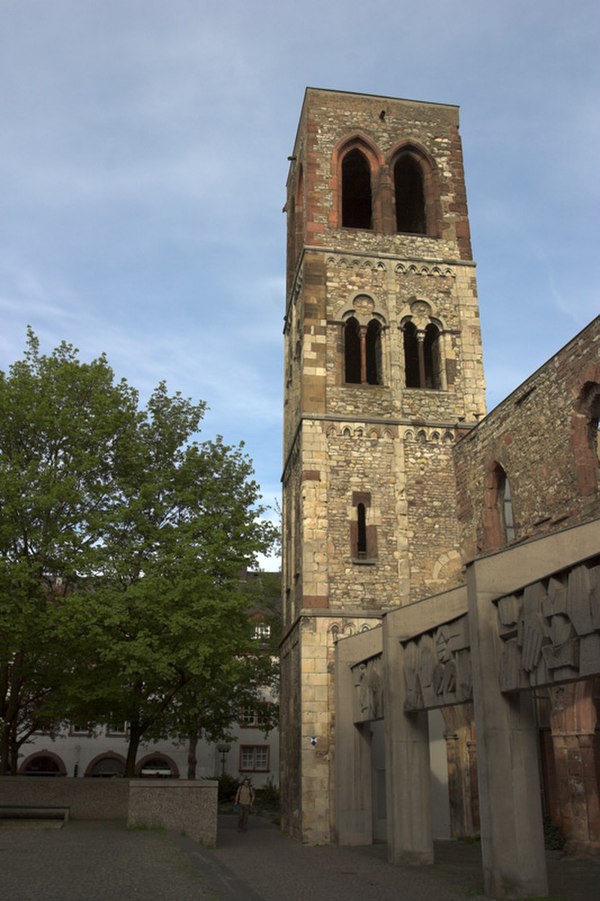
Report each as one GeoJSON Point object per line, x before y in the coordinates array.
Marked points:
{"type": "Point", "coordinates": [410, 195]}
{"type": "Point", "coordinates": [46, 764]}
{"type": "Point", "coordinates": [503, 528]}
{"type": "Point", "coordinates": [590, 406]}
{"type": "Point", "coordinates": [362, 353]}
{"type": "Point", "coordinates": [373, 353]}
{"type": "Point", "coordinates": [106, 766]}
{"type": "Point", "coordinates": [363, 537]}
{"type": "Point", "coordinates": [357, 202]}
{"type": "Point", "coordinates": [585, 439]}
{"type": "Point", "coordinates": [158, 765]}
{"type": "Point", "coordinates": [352, 354]}
{"type": "Point", "coordinates": [432, 357]}
{"type": "Point", "coordinates": [411, 356]}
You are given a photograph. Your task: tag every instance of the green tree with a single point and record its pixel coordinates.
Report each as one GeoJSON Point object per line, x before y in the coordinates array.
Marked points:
{"type": "Point", "coordinates": [61, 426]}
{"type": "Point", "coordinates": [145, 531]}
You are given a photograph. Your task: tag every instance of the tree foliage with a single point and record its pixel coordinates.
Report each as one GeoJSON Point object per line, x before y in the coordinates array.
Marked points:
{"type": "Point", "coordinates": [122, 538]}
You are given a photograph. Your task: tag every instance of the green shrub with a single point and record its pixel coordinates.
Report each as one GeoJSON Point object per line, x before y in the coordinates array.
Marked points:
{"type": "Point", "coordinates": [269, 795]}
{"type": "Point", "coordinates": [228, 786]}
{"type": "Point", "coordinates": [554, 840]}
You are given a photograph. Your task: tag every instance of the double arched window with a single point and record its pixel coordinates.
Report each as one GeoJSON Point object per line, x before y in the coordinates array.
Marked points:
{"type": "Point", "coordinates": [422, 356]}
{"type": "Point", "coordinates": [362, 352]}
{"type": "Point", "coordinates": [399, 194]}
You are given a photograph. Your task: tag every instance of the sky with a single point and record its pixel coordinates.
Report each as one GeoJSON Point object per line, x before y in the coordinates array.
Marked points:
{"type": "Point", "coordinates": [143, 161]}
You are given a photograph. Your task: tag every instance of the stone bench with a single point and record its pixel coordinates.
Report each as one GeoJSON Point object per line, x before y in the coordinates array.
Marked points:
{"type": "Point", "coordinates": [34, 811]}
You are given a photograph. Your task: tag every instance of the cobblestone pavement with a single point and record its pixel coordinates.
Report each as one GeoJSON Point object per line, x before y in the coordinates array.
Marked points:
{"type": "Point", "coordinates": [99, 861]}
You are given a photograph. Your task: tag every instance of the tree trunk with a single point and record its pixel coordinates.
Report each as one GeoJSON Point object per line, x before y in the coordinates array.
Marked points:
{"type": "Point", "coordinates": [135, 734]}
{"type": "Point", "coordinates": [4, 748]}
{"type": "Point", "coordinates": [192, 748]}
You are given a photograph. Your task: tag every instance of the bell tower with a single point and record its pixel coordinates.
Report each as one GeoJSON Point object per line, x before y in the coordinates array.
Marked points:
{"type": "Point", "coordinates": [383, 369]}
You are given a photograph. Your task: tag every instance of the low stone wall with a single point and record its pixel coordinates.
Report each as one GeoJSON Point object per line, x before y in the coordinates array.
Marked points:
{"type": "Point", "coordinates": [185, 806]}
{"type": "Point", "coordinates": [89, 799]}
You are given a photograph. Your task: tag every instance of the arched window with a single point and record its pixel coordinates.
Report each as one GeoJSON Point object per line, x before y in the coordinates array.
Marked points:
{"type": "Point", "coordinates": [498, 518]}
{"type": "Point", "coordinates": [504, 504]}
{"type": "Point", "coordinates": [45, 764]}
{"type": "Point", "coordinates": [362, 352]}
{"type": "Point", "coordinates": [373, 353]}
{"type": "Point", "coordinates": [352, 351]}
{"type": "Point", "coordinates": [431, 354]}
{"type": "Point", "coordinates": [410, 195]}
{"type": "Point", "coordinates": [585, 438]}
{"type": "Point", "coordinates": [106, 766]}
{"type": "Point", "coordinates": [422, 357]}
{"type": "Point", "coordinates": [357, 205]}
{"type": "Point", "coordinates": [411, 356]}
{"type": "Point", "coordinates": [363, 537]}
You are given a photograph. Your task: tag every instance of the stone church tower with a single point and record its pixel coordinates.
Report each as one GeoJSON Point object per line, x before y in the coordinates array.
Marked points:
{"type": "Point", "coordinates": [383, 369]}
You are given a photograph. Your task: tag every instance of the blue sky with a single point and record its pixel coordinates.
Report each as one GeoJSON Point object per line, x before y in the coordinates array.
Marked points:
{"type": "Point", "coordinates": [143, 160]}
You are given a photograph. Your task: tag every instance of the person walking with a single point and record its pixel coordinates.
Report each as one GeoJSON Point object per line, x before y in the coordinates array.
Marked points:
{"type": "Point", "coordinates": [244, 798]}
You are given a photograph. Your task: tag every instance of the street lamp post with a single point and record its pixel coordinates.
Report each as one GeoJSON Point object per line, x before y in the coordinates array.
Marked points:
{"type": "Point", "coordinates": [223, 748]}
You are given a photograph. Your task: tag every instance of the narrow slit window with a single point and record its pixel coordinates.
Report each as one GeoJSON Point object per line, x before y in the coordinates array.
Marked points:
{"type": "Point", "coordinates": [361, 538]}
{"type": "Point", "coordinates": [373, 353]}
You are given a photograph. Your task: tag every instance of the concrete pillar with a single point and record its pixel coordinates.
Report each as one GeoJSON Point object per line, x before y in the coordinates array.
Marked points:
{"type": "Point", "coordinates": [512, 840]}
{"type": "Point", "coordinates": [353, 793]}
{"type": "Point", "coordinates": [408, 778]}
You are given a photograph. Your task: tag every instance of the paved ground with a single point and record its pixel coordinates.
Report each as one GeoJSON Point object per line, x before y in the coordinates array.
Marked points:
{"type": "Point", "coordinates": [105, 862]}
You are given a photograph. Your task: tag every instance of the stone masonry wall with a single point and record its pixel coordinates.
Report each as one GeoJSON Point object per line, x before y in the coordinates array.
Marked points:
{"type": "Point", "coordinates": [540, 437]}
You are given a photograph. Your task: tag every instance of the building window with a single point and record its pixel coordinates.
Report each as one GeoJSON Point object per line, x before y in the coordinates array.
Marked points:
{"type": "Point", "coordinates": [106, 767]}
{"type": "Point", "coordinates": [250, 718]}
{"type": "Point", "coordinates": [363, 537]}
{"type": "Point", "coordinates": [357, 204]}
{"type": "Point", "coordinates": [262, 631]}
{"type": "Point", "coordinates": [499, 519]}
{"type": "Point", "coordinates": [44, 764]}
{"type": "Point", "coordinates": [254, 758]}
{"type": "Point", "coordinates": [80, 729]}
{"type": "Point", "coordinates": [115, 729]}
{"type": "Point", "coordinates": [422, 356]}
{"type": "Point", "coordinates": [410, 195]}
{"type": "Point", "coordinates": [506, 510]}
{"type": "Point", "coordinates": [585, 438]}
{"type": "Point", "coordinates": [362, 353]}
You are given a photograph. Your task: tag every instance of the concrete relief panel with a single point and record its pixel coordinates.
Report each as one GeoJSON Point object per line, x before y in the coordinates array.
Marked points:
{"type": "Point", "coordinates": [551, 630]}
{"type": "Point", "coordinates": [368, 690]}
{"type": "Point", "coordinates": [437, 667]}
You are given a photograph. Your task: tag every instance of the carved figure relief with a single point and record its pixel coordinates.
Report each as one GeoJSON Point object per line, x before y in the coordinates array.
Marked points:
{"type": "Point", "coordinates": [437, 667]}
{"type": "Point", "coordinates": [368, 690]}
{"type": "Point", "coordinates": [551, 630]}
